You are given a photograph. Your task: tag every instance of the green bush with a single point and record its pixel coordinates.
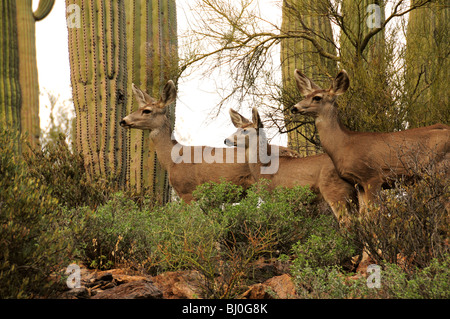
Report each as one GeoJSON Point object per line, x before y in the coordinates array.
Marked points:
{"type": "Point", "coordinates": [431, 282]}
{"type": "Point", "coordinates": [282, 212]}
{"type": "Point", "coordinates": [326, 245]}
{"type": "Point", "coordinates": [32, 246]}
{"type": "Point", "coordinates": [63, 172]}
{"type": "Point", "coordinates": [409, 222]}
{"type": "Point", "coordinates": [120, 231]}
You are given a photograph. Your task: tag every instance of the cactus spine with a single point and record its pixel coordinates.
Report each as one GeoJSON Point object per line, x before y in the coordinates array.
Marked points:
{"type": "Point", "coordinates": [301, 54]}
{"type": "Point", "coordinates": [119, 43]}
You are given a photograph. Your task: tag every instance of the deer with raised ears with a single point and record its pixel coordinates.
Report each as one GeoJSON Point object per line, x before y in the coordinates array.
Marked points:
{"type": "Point", "coordinates": [317, 171]}
{"type": "Point", "coordinates": [369, 160]}
{"type": "Point", "coordinates": [187, 166]}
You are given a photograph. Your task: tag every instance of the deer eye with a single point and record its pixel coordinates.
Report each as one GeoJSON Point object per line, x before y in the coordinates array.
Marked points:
{"type": "Point", "coordinates": [146, 111]}
{"type": "Point", "coordinates": [317, 98]}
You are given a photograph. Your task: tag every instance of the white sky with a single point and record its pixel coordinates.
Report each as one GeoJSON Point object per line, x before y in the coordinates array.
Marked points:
{"type": "Point", "coordinates": [197, 95]}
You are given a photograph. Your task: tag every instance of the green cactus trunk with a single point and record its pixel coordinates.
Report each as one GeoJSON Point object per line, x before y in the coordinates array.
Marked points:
{"type": "Point", "coordinates": [427, 65]}
{"type": "Point", "coordinates": [357, 18]}
{"type": "Point", "coordinates": [119, 43]}
{"type": "Point", "coordinates": [28, 73]}
{"type": "Point", "coordinates": [10, 94]}
{"type": "Point", "coordinates": [301, 54]}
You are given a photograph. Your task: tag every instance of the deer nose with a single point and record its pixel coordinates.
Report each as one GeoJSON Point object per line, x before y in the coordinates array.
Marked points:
{"type": "Point", "coordinates": [123, 123]}
{"type": "Point", "coordinates": [294, 110]}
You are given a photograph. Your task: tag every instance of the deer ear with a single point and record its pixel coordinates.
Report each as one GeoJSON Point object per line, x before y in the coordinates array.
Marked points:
{"type": "Point", "coordinates": [237, 119]}
{"type": "Point", "coordinates": [142, 98]}
{"type": "Point", "coordinates": [340, 83]}
{"type": "Point", "coordinates": [168, 95]}
{"type": "Point", "coordinates": [304, 84]}
{"type": "Point", "coordinates": [256, 119]}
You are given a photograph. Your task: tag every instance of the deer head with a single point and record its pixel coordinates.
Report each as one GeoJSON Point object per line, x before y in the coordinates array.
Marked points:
{"type": "Point", "coordinates": [246, 131]}
{"type": "Point", "coordinates": [151, 114]}
{"type": "Point", "coordinates": [316, 99]}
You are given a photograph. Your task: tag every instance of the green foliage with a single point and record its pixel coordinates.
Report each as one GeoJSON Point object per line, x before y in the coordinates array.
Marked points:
{"type": "Point", "coordinates": [32, 246]}
{"type": "Point", "coordinates": [282, 211]}
{"type": "Point", "coordinates": [324, 246]}
{"type": "Point", "coordinates": [64, 174]}
{"type": "Point", "coordinates": [409, 223]}
{"type": "Point", "coordinates": [431, 282]}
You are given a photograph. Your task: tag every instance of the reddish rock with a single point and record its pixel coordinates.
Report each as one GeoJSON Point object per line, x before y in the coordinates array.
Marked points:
{"type": "Point", "coordinates": [131, 290]}
{"type": "Point", "coordinates": [179, 284]}
{"type": "Point", "coordinates": [280, 287]}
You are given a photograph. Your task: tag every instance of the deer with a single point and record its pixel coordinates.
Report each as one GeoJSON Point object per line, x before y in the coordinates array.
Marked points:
{"type": "Point", "coordinates": [317, 171]}
{"type": "Point", "coordinates": [369, 160]}
{"type": "Point", "coordinates": [185, 172]}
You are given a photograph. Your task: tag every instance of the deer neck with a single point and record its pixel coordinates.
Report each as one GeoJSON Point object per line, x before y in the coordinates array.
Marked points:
{"type": "Point", "coordinates": [163, 142]}
{"type": "Point", "coordinates": [253, 153]}
{"type": "Point", "coordinates": [333, 135]}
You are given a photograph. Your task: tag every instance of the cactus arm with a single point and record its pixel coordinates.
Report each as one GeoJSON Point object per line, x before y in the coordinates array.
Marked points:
{"type": "Point", "coordinates": [43, 9]}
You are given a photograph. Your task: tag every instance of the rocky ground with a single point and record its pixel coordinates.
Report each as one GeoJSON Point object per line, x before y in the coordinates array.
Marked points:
{"type": "Point", "coordinates": [271, 277]}
{"type": "Point", "coordinates": [186, 284]}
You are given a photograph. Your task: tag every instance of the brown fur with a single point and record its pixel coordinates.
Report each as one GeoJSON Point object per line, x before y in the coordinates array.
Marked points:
{"type": "Point", "coordinates": [317, 172]}
{"type": "Point", "coordinates": [368, 159]}
{"type": "Point", "coordinates": [184, 177]}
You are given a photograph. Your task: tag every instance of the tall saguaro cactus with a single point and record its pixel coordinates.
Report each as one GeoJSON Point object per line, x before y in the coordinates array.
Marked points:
{"type": "Point", "coordinates": [298, 53]}
{"type": "Point", "coordinates": [9, 67]}
{"type": "Point", "coordinates": [427, 64]}
{"type": "Point", "coordinates": [28, 73]}
{"type": "Point", "coordinates": [120, 43]}
{"type": "Point", "coordinates": [18, 67]}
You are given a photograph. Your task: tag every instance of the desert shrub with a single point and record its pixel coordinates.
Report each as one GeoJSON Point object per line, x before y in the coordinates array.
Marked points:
{"type": "Point", "coordinates": [214, 235]}
{"type": "Point", "coordinates": [282, 212]}
{"type": "Point", "coordinates": [121, 231]}
{"type": "Point", "coordinates": [32, 246]}
{"type": "Point", "coordinates": [324, 246]}
{"type": "Point", "coordinates": [431, 282]}
{"type": "Point", "coordinates": [332, 282]}
{"type": "Point", "coordinates": [410, 221]}
{"type": "Point", "coordinates": [63, 172]}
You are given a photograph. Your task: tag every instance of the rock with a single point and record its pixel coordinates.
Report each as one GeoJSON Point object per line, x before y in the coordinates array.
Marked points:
{"type": "Point", "coordinates": [280, 287]}
{"type": "Point", "coordinates": [131, 290]}
{"type": "Point", "coordinates": [179, 284]}
{"type": "Point", "coordinates": [76, 293]}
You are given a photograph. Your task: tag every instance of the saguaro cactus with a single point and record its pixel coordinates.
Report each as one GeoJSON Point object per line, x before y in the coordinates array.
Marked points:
{"type": "Point", "coordinates": [119, 43]}
{"type": "Point", "coordinates": [298, 53]}
{"type": "Point", "coordinates": [152, 42]}
{"type": "Point", "coordinates": [360, 16]}
{"type": "Point", "coordinates": [9, 67]}
{"type": "Point", "coordinates": [427, 64]}
{"type": "Point", "coordinates": [28, 73]}
{"type": "Point", "coordinates": [21, 87]}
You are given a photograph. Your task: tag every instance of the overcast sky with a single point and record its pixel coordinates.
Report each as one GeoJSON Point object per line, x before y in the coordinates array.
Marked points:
{"type": "Point", "coordinates": [197, 95]}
